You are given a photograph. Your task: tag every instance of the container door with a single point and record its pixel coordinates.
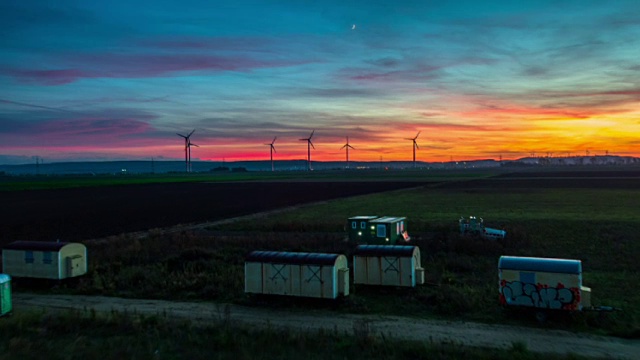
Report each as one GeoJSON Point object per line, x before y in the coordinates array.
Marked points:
{"type": "Point", "coordinates": [312, 281]}
{"type": "Point", "coordinates": [277, 279]}
{"type": "Point", "coordinates": [73, 266]}
{"type": "Point", "coordinates": [343, 281]}
{"type": "Point", "coordinates": [391, 275]}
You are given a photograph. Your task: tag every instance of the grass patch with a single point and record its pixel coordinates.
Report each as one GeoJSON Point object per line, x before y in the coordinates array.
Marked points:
{"type": "Point", "coordinates": [87, 335]}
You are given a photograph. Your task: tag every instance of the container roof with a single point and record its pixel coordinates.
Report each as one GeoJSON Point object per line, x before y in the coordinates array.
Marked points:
{"type": "Point", "coordinates": [385, 250]}
{"type": "Point", "coordinates": [561, 266]}
{"type": "Point", "coordinates": [364, 217]}
{"type": "Point", "coordinates": [293, 258]}
{"type": "Point", "coordinates": [35, 245]}
{"type": "Point", "coordinates": [388, 219]}
{"type": "Point", "coordinates": [4, 278]}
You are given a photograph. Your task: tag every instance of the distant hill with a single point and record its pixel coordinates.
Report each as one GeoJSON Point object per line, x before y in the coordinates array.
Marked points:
{"type": "Point", "coordinates": [142, 167]}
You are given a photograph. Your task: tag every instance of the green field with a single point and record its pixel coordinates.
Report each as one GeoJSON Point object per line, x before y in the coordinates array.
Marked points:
{"type": "Point", "coordinates": [597, 226]}
{"type": "Point", "coordinates": [16, 183]}
{"type": "Point", "coordinates": [42, 182]}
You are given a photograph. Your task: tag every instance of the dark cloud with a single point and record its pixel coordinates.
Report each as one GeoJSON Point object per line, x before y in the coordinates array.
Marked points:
{"type": "Point", "coordinates": [139, 66]}
{"type": "Point", "coordinates": [198, 44]}
{"type": "Point", "coordinates": [385, 62]}
{"type": "Point", "coordinates": [121, 127]}
{"type": "Point", "coordinates": [46, 77]}
{"type": "Point", "coordinates": [21, 104]}
{"type": "Point", "coordinates": [335, 92]}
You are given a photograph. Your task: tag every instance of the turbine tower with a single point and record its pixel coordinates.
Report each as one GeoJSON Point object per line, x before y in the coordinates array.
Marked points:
{"type": "Point", "coordinates": [189, 145]}
{"type": "Point", "coordinates": [347, 146]}
{"type": "Point", "coordinates": [272, 149]}
{"type": "Point", "coordinates": [187, 158]}
{"type": "Point", "coordinates": [415, 146]}
{"type": "Point", "coordinates": [309, 146]}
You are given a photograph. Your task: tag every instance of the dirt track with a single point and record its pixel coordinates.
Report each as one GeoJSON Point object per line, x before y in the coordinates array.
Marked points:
{"type": "Point", "coordinates": [436, 331]}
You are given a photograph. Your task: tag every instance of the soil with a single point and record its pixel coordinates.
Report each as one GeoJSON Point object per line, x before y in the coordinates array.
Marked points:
{"type": "Point", "coordinates": [88, 213]}
{"type": "Point", "coordinates": [401, 328]}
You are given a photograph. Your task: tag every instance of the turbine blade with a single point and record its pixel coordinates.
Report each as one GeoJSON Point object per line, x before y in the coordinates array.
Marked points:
{"type": "Point", "coordinates": [418, 134]}
{"type": "Point", "coordinates": [274, 148]}
{"type": "Point", "coordinates": [312, 145]}
{"type": "Point", "coordinates": [191, 133]}
{"type": "Point", "coordinates": [310, 136]}
{"type": "Point", "coordinates": [181, 135]}
{"type": "Point", "coordinates": [274, 139]}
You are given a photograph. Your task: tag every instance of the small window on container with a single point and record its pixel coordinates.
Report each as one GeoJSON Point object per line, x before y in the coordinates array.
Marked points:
{"type": "Point", "coordinates": [46, 257]}
{"type": "Point", "coordinates": [363, 225]}
{"type": "Point", "coordinates": [354, 225]}
{"type": "Point", "coordinates": [382, 231]}
{"type": "Point", "coordinates": [397, 228]}
{"type": "Point", "coordinates": [401, 226]}
{"type": "Point", "coordinates": [28, 257]}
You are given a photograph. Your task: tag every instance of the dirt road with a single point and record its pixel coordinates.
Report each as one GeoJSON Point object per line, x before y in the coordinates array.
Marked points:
{"type": "Point", "coordinates": [436, 331]}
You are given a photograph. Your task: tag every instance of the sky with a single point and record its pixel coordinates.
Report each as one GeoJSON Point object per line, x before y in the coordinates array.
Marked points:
{"type": "Point", "coordinates": [118, 80]}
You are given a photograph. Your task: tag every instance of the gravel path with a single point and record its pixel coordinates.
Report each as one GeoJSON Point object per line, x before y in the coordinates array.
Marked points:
{"type": "Point", "coordinates": [436, 331]}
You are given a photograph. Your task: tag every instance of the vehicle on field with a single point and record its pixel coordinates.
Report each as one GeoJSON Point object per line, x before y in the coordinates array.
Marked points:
{"type": "Point", "coordinates": [475, 226]}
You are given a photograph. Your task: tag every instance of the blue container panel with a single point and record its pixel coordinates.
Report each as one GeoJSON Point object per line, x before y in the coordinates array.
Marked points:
{"type": "Point", "coordinates": [560, 266]}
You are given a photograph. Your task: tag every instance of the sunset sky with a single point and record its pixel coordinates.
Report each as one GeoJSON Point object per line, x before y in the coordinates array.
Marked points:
{"type": "Point", "coordinates": [114, 80]}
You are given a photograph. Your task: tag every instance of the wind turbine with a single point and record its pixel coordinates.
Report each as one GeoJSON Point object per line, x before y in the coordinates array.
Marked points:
{"type": "Point", "coordinates": [347, 146]}
{"type": "Point", "coordinates": [272, 149]}
{"type": "Point", "coordinates": [189, 145]}
{"type": "Point", "coordinates": [187, 159]}
{"type": "Point", "coordinates": [415, 146]}
{"type": "Point", "coordinates": [309, 146]}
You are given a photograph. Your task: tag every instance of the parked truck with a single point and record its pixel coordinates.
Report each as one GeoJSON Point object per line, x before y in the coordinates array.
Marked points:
{"type": "Point", "coordinates": [475, 226]}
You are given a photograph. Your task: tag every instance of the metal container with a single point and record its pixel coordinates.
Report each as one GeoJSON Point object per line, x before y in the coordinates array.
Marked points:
{"type": "Point", "coordinates": [386, 230]}
{"type": "Point", "coordinates": [387, 265]}
{"type": "Point", "coordinates": [546, 283]}
{"type": "Point", "coordinates": [44, 260]}
{"type": "Point", "coordinates": [5, 295]}
{"type": "Point", "coordinates": [297, 274]}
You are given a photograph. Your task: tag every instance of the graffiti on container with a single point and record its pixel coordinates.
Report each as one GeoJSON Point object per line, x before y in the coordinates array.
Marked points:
{"type": "Point", "coordinates": [539, 295]}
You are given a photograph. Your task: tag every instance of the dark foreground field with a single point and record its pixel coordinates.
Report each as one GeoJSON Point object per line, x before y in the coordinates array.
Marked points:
{"type": "Point", "coordinates": [591, 216]}
{"type": "Point", "coordinates": [86, 213]}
